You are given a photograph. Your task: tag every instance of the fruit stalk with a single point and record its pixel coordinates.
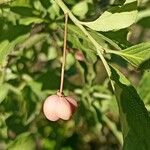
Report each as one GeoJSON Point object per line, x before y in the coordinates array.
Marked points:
{"type": "Point", "coordinates": [64, 55]}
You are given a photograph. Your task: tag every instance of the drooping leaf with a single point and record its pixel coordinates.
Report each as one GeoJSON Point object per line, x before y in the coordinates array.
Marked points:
{"type": "Point", "coordinates": [115, 19]}
{"type": "Point", "coordinates": [135, 119]}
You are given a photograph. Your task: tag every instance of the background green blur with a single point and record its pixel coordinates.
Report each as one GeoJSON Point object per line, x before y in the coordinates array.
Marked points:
{"type": "Point", "coordinates": [31, 32]}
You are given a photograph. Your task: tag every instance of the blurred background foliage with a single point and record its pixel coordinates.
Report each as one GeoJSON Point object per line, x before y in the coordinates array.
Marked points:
{"type": "Point", "coordinates": [31, 32]}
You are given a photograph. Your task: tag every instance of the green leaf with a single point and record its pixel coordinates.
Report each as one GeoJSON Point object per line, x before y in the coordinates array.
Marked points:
{"type": "Point", "coordinates": [143, 14]}
{"type": "Point", "coordinates": [3, 47]}
{"type": "Point", "coordinates": [115, 19]}
{"type": "Point", "coordinates": [79, 41]}
{"type": "Point", "coordinates": [80, 9]}
{"type": "Point", "coordinates": [119, 37]}
{"type": "Point", "coordinates": [23, 11]}
{"type": "Point", "coordinates": [145, 65]}
{"type": "Point", "coordinates": [3, 91]}
{"type": "Point", "coordinates": [30, 20]}
{"type": "Point", "coordinates": [4, 1]}
{"type": "Point", "coordinates": [85, 47]}
{"type": "Point", "coordinates": [24, 3]}
{"type": "Point", "coordinates": [52, 53]}
{"type": "Point", "coordinates": [100, 38]}
{"type": "Point", "coordinates": [137, 55]}
{"type": "Point", "coordinates": [54, 10]}
{"type": "Point", "coordinates": [36, 87]}
{"type": "Point", "coordinates": [34, 39]}
{"type": "Point", "coordinates": [45, 3]}
{"type": "Point", "coordinates": [23, 142]}
{"type": "Point", "coordinates": [143, 87]}
{"type": "Point", "coordinates": [119, 2]}
{"type": "Point", "coordinates": [70, 61]}
{"type": "Point", "coordinates": [10, 36]}
{"type": "Point", "coordinates": [6, 47]}
{"type": "Point", "coordinates": [135, 120]}
{"type": "Point", "coordinates": [143, 18]}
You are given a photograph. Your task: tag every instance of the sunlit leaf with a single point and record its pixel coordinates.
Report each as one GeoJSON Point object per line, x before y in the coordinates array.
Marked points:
{"type": "Point", "coordinates": [115, 19]}
{"type": "Point", "coordinates": [80, 9]}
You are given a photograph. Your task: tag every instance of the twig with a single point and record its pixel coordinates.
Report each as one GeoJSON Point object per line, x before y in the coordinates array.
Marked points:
{"type": "Point", "coordinates": [64, 55]}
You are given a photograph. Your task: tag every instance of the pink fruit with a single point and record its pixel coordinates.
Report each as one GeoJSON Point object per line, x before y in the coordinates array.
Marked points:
{"type": "Point", "coordinates": [63, 108]}
{"type": "Point", "coordinates": [79, 56]}
{"type": "Point", "coordinates": [49, 108]}
{"type": "Point", "coordinates": [59, 107]}
{"type": "Point", "coordinates": [72, 102]}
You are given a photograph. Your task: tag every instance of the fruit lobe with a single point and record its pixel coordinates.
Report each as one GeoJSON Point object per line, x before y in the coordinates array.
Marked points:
{"type": "Point", "coordinates": [73, 103]}
{"type": "Point", "coordinates": [49, 108]}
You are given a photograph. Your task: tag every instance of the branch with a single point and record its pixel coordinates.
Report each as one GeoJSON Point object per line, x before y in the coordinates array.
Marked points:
{"type": "Point", "coordinates": [98, 47]}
